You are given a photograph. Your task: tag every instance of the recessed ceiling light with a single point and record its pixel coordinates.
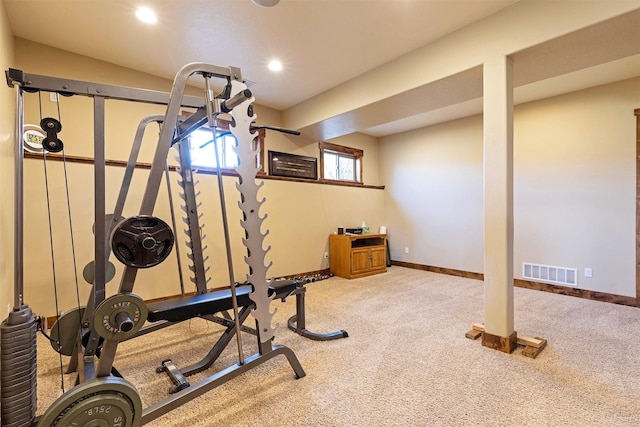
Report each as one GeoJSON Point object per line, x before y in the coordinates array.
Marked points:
{"type": "Point", "coordinates": [146, 15]}
{"type": "Point", "coordinates": [275, 65]}
{"type": "Point", "coordinates": [266, 3]}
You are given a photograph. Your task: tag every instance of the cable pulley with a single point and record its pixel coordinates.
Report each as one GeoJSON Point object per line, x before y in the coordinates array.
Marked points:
{"type": "Point", "coordinates": [142, 241]}
{"type": "Point", "coordinates": [51, 142]}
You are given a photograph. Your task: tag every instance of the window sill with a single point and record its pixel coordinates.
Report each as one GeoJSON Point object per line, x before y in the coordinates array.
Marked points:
{"type": "Point", "coordinates": [225, 172]}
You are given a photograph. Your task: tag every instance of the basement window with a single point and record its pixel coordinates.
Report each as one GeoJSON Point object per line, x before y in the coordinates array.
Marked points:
{"type": "Point", "coordinates": [339, 163]}
{"type": "Point", "coordinates": [203, 155]}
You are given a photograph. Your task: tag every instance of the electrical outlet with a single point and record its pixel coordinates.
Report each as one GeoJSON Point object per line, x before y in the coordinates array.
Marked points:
{"type": "Point", "coordinates": [588, 272]}
{"type": "Point", "coordinates": [326, 254]}
{"type": "Point", "coordinates": [406, 250]}
{"type": "Point", "coordinates": [53, 97]}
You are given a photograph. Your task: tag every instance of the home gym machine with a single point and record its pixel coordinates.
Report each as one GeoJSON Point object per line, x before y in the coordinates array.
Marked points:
{"type": "Point", "coordinates": [143, 241]}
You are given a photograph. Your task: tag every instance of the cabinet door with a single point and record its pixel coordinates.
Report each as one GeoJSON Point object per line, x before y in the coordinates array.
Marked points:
{"type": "Point", "coordinates": [360, 260]}
{"type": "Point", "coordinates": [378, 258]}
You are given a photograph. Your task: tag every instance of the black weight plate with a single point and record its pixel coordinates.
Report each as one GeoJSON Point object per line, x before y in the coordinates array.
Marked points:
{"type": "Point", "coordinates": [142, 241]}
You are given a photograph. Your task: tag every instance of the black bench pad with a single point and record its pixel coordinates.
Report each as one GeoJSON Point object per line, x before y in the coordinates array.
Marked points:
{"type": "Point", "coordinates": [183, 308]}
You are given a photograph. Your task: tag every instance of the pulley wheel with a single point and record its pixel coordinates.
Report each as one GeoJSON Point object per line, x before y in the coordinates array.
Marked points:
{"type": "Point", "coordinates": [120, 317]}
{"type": "Point", "coordinates": [101, 402]}
{"type": "Point", "coordinates": [89, 272]}
{"type": "Point", "coordinates": [52, 145]}
{"type": "Point", "coordinates": [65, 331]}
{"type": "Point", "coordinates": [49, 124]}
{"type": "Point", "coordinates": [142, 241]}
{"type": "Point", "coordinates": [51, 127]}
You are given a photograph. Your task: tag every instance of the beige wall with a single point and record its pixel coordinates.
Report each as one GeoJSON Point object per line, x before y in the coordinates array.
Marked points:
{"type": "Point", "coordinates": [574, 188]}
{"type": "Point", "coordinates": [575, 185]}
{"type": "Point", "coordinates": [300, 215]}
{"type": "Point", "coordinates": [7, 104]}
{"type": "Point", "coordinates": [433, 200]}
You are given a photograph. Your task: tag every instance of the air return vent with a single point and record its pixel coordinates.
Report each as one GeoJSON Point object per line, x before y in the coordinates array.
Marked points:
{"type": "Point", "coordinates": [551, 274]}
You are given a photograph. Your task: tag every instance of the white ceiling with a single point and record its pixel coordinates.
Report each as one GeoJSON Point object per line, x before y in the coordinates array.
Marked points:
{"type": "Point", "coordinates": [322, 43]}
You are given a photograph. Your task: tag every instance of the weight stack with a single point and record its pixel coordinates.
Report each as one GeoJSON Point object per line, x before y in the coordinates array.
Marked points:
{"type": "Point", "coordinates": [18, 369]}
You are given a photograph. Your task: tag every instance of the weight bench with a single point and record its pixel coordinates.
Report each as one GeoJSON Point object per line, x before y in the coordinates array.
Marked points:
{"type": "Point", "coordinates": [208, 304]}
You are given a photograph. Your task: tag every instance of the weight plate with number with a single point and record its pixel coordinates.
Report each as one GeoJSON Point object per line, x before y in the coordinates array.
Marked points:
{"type": "Point", "coordinates": [142, 241]}
{"type": "Point", "coordinates": [120, 317]}
{"type": "Point", "coordinates": [101, 402]}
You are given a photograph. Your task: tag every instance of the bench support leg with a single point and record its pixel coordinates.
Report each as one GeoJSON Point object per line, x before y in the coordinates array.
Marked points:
{"type": "Point", "coordinates": [297, 322]}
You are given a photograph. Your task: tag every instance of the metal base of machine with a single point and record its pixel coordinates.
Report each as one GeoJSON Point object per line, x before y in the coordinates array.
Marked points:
{"type": "Point", "coordinates": [209, 383]}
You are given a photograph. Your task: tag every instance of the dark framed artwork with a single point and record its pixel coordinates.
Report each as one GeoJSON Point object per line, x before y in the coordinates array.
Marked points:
{"type": "Point", "coordinates": [292, 165]}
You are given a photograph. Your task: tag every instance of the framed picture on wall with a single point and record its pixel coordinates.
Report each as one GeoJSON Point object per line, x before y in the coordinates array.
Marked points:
{"type": "Point", "coordinates": [292, 166]}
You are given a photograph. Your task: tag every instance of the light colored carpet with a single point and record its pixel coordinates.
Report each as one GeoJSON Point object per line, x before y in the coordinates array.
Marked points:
{"type": "Point", "coordinates": [406, 362]}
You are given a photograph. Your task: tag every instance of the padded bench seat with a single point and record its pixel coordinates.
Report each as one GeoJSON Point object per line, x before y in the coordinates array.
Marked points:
{"type": "Point", "coordinates": [184, 308]}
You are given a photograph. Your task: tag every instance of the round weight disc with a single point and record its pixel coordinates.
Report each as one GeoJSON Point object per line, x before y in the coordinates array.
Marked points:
{"type": "Point", "coordinates": [142, 241]}
{"type": "Point", "coordinates": [120, 317]}
{"type": "Point", "coordinates": [101, 402]}
{"type": "Point", "coordinates": [89, 272]}
{"type": "Point", "coordinates": [65, 331]}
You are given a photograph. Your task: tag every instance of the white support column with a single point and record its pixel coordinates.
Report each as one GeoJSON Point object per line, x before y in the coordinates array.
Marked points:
{"type": "Point", "coordinates": [498, 204]}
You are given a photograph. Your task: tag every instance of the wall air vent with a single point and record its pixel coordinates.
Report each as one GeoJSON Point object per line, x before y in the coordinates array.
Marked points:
{"type": "Point", "coordinates": [551, 274]}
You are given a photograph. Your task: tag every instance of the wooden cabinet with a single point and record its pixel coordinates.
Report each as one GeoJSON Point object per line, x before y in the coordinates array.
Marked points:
{"type": "Point", "coordinates": [357, 256]}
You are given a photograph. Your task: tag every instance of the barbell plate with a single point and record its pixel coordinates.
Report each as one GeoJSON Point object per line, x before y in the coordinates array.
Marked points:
{"type": "Point", "coordinates": [108, 401]}
{"type": "Point", "coordinates": [107, 320]}
{"type": "Point", "coordinates": [65, 331]}
{"type": "Point", "coordinates": [142, 241]}
{"type": "Point", "coordinates": [89, 272]}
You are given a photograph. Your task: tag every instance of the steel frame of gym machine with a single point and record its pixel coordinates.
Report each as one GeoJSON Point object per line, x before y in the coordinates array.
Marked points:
{"type": "Point", "coordinates": [117, 400]}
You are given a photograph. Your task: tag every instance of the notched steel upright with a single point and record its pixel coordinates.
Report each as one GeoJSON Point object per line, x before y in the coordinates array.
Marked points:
{"type": "Point", "coordinates": [192, 219]}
